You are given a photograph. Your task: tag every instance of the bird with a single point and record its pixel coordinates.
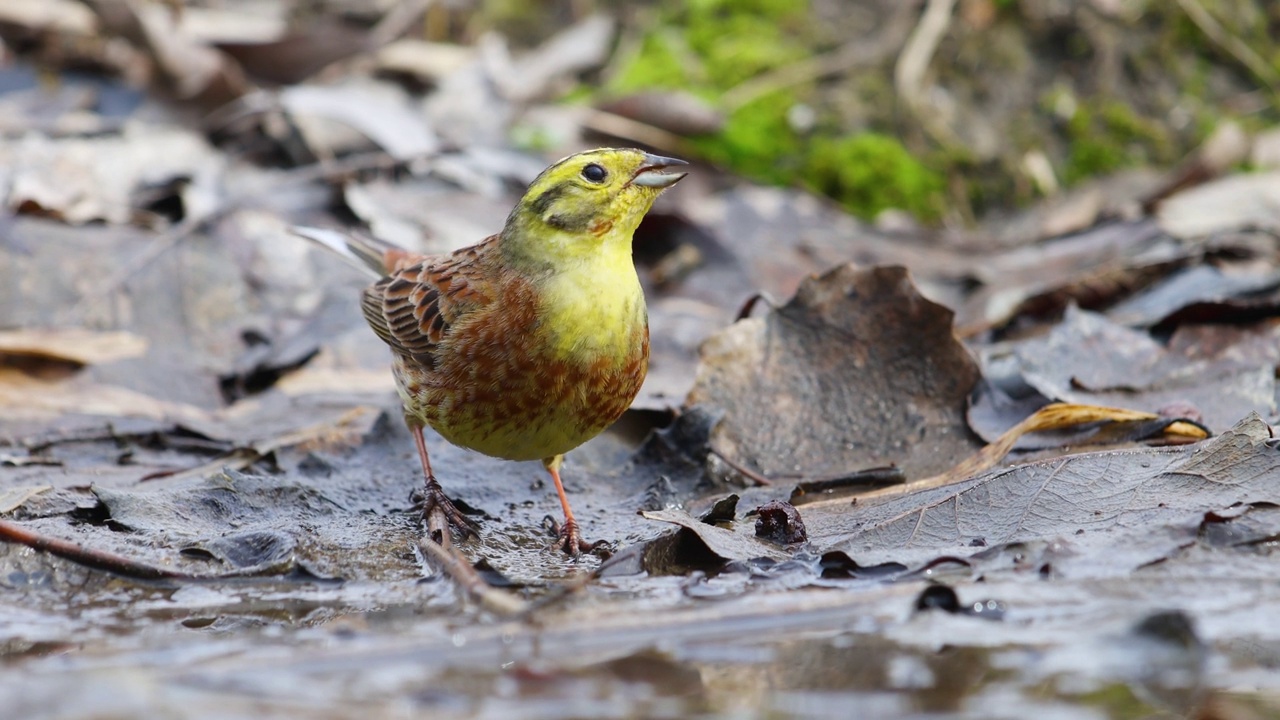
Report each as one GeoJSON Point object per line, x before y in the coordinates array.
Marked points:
{"type": "Point", "coordinates": [531, 342]}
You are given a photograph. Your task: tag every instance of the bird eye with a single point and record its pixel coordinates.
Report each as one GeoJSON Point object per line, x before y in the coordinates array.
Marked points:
{"type": "Point", "coordinates": [594, 173]}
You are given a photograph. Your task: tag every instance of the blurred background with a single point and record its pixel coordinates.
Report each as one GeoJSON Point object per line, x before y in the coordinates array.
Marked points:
{"type": "Point", "coordinates": [945, 113]}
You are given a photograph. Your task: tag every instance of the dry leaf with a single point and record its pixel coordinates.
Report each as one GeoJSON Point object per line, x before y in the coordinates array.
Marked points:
{"type": "Point", "coordinates": [77, 345]}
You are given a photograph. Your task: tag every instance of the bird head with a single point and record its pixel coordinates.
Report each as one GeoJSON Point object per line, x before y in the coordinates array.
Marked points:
{"type": "Point", "coordinates": [586, 202]}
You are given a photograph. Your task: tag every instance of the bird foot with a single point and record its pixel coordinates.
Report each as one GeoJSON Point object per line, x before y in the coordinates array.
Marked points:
{"type": "Point", "coordinates": [570, 541]}
{"type": "Point", "coordinates": [431, 499]}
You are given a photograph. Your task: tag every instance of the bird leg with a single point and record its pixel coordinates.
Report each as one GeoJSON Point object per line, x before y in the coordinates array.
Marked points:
{"type": "Point", "coordinates": [569, 539]}
{"type": "Point", "coordinates": [432, 498]}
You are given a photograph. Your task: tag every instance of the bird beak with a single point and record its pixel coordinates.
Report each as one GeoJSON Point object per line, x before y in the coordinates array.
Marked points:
{"type": "Point", "coordinates": [650, 174]}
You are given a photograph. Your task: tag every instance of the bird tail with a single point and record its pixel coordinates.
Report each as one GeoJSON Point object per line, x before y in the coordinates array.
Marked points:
{"type": "Point", "coordinates": [373, 256]}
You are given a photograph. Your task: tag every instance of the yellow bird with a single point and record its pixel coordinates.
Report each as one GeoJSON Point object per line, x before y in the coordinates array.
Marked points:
{"type": "Point", "coordinates": [535, 340]}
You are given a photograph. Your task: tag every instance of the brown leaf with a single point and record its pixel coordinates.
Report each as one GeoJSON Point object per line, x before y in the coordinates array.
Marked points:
{"type": "Point", "coordinates": [1051, 417]}
{"type": "Point", "coordinates": [1089, 360]}
{"type": "Point", "coordinates": [74, 345]}
{"type": "Point", "coordinates": [296, 56]}
{"type": "Point", "coordinates": [858, 370]}
{"type": "Point", "coordinates": [726, 544]}
{"type": "Point", "coordinates": [1096, 503]}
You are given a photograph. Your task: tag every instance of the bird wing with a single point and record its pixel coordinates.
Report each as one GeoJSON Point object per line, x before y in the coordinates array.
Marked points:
{"type": "Point", "coordinates": [413, 307]}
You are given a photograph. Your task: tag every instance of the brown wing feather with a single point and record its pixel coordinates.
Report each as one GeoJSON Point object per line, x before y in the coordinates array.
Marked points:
{"type": "Point", "coordinates": [412, 308]}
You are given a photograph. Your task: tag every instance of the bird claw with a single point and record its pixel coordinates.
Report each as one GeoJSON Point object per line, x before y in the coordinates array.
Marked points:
{"type": "Point", "coordinates": [570, 541]}
{"type": "Point", "coordinates": [431, 499]}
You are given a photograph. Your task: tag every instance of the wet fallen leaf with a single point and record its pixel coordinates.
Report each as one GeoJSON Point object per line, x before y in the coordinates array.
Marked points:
{"type": "Point", "coordinates": [25, 396]}
{"type": "Point", "coordinates": [1092, 268]}
{"type": "Point", "coordinates": [1200, 285]}
{"type": "Point", "coordinates": [723, 543]}
{"type": "Point", "coordinates": [14, 498]}
{"type": "Point", "coordinates": [1113, 511]}
{"type": "Point", "coordinates": [856, 371]}
{"type": "Point", "coordinates": [1089, 360]}
{"type": "Point", "coordinates": [1056, 416]}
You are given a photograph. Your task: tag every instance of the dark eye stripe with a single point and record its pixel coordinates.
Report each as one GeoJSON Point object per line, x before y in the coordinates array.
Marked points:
{"type": "Point", "coordinates": [543, 202]}
{"type": "Point", "coordinates": [594, 173]}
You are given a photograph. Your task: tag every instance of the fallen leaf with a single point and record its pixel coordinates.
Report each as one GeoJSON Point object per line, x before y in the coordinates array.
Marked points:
{"type": "Point", "coordinates": [192, 70]}
{"type": "Point", "coordinates": [1113, 511]}
{"type": "Point", "coordinates": [1089, 360]}
{"type": "Point", "coordinates": [24, 396]}
{"type": "Point", "coordinates": [857, 370]}
{"type": "Point", "coordinates": [1200, 285]}
{"type": "Point", "coordinates": [76, 345]}
{"type": "Point", "coordinates": [1092, 268]}
{"type": "Point", "coordinates": [1056, 416]}
{"type": "Point", "coordinates": [52, 16]}
{"type": "Point", "coordinates": [725, 544]}
{"type": "Point", "coordinates": [379, 111]}
{"type": "Point", "coordinates": [1236, 202]}
{"type": "Point", "coordinates": [427, 61]}
{"type": "Point", "coordinates": [13, 498]}
{"type": "Point", "coordinates": [578, 48]}
{"type": "Point", "coordinates": [80, 180]}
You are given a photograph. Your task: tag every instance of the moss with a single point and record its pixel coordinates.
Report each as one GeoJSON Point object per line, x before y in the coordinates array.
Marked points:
{"type": "Point", "coordinates": [1118, 702]}
{"type": "Point", "coordinates": [1109, 135]}
{"type": "Point", "coordinates": [711, 46]}
{"type": "Point", "coordinates": [656, 65]}
{"type": "Point", "coordinates": [1088, 125]}
{"type": "Point", "coordinates": [871, 172]}
{"type": "Point", "coordinates": [739, 39]}
{"type": "Point", "coordinates": [757, 141]}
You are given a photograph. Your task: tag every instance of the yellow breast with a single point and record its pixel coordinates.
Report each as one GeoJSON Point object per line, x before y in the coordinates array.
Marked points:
{"type": "Point", "coordinates": [574, 370]}
{"type": "Point", "coordinates": [592, 312]}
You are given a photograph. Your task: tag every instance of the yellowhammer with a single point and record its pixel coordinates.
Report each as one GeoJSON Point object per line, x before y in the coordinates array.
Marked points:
{"type": "Point", "coordinates": [532, 342]}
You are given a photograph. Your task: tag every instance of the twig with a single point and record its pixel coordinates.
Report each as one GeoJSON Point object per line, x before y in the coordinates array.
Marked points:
{"type": "Point", "coordinates": [626, 128]}
{"type": "Point", "coordinates": [909, 73]}
{"type": "Point", "coordinates": [122, 566]}
{"type": "Point", "coordinates": [455, 565]}
{"type": "Point", "coordinates": [88, 557]}
{"type": "Point", "coordinates": [398, 20]}
{"type": "Point", "coordinates": [1234, 46]}
{"type": "Point", "coordinates": [1050, 417]}
{"type": "Point", "coordinates": [741, 469]}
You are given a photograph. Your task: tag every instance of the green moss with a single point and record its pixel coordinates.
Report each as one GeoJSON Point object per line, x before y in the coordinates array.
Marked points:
{"type": "Point", "coordinates": [1108, 136]}
{"type": "Point", "coordinates": [656, 65]}
{"type": "Point", "coordinates": [757, 141]}
{"type": "Point", "coordinates": [871, 172]}
{"type": "Point", "coordinates": [1118, 702]}
{"type": "Point", "coordinates": [711, 46]}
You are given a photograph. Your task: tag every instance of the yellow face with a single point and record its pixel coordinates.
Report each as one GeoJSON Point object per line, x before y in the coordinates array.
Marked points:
{"type": "Point", "coordinates": [586, 200]}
